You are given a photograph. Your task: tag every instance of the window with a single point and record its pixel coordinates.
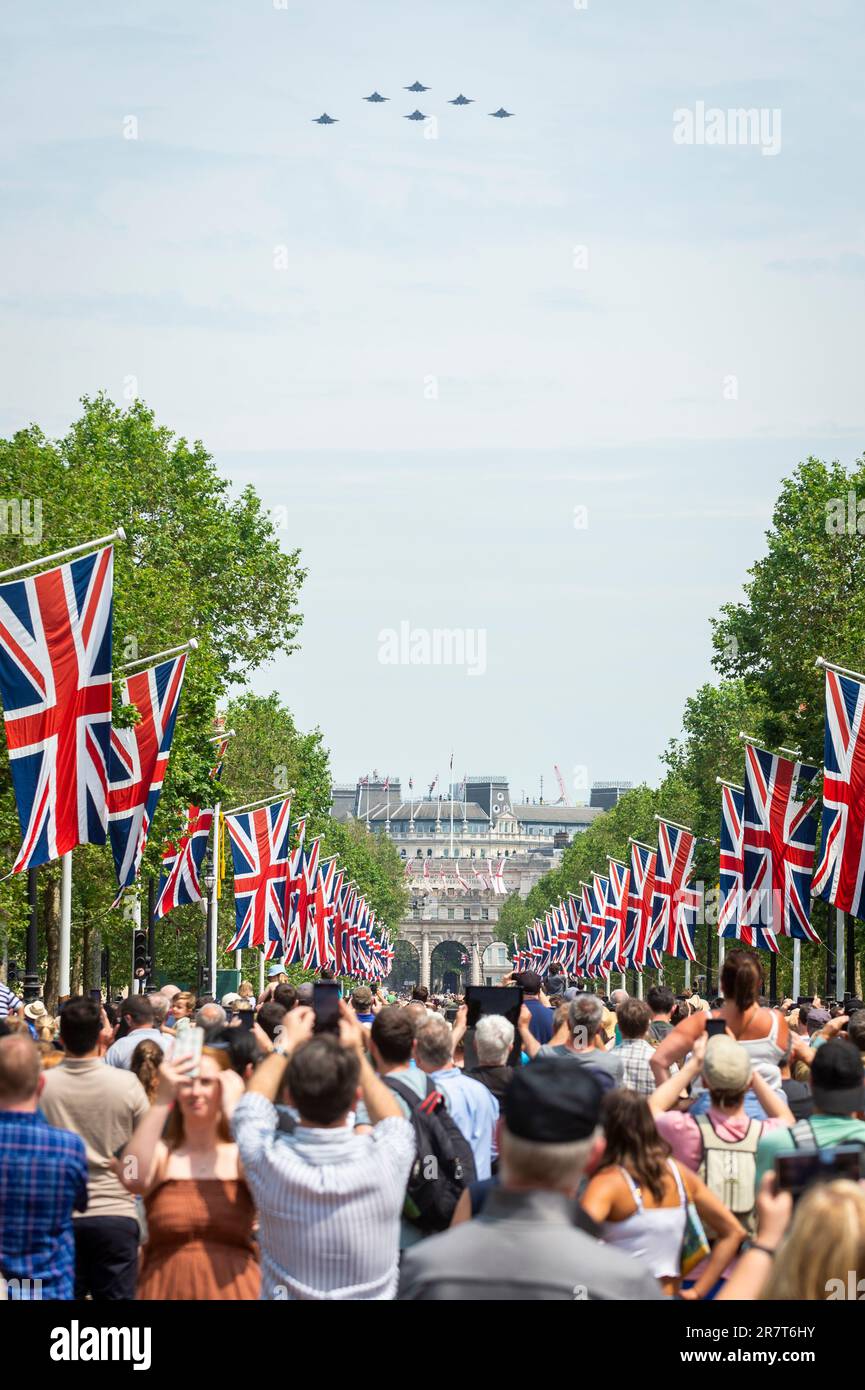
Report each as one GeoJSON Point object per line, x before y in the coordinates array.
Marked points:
{"type": "Point", "coordinates": [429, 854]}
{"type": "Point", "coordinates": [450, 914]}
{"type": "Point", "coordinates": [415, 912]}
{"type": "Point", "coordinates": [467, 914]}
{"type": "Point", "coordinates": [485, 914]}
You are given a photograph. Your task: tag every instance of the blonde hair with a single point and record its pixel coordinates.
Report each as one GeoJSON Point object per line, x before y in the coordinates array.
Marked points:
{"type": "Point", "coordinates": [825, 1242]}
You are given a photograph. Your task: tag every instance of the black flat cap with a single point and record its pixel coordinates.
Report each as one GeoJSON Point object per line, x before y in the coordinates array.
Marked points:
{"type": "Point", "coordinates": [553, 1101]}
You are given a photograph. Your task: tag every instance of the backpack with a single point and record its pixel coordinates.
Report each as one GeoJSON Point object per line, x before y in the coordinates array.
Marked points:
{"type": "Point", "coordinates": [730, 1170]}
{"type": "Point", "coordinates": [443, 1165]}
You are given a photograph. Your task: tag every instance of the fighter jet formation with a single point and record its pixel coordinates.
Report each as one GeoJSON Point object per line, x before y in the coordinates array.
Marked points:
{"type": "Point", "coordinates": [375, 98]}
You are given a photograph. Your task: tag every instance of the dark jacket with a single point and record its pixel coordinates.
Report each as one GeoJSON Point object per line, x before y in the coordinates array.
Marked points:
{"type": "Point", "coordinates": [523, 1245]}
{"type": "Point", "coordinates": [496, 1079]}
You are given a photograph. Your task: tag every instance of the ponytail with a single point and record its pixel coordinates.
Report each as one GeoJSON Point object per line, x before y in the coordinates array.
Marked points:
{"type": "Point", "coordinates": [742, 979]}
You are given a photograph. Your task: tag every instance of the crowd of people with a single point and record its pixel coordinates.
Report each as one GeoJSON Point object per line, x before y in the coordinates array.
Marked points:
{"type": "Point", "coordinates": [590, 1147]}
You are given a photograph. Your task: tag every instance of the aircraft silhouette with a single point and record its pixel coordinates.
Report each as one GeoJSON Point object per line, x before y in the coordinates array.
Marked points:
{"type": "Point", "coordinates": [461, 101]}
{"type": "Point", "coordinates": [324, 119]}
{"type": "Point", "coordinates": [416, 87]}
{"type": "Point", "coordinates": [501, 113]}
{"type": "Point", "coordinates": [415, 116]}
{"type": "Point", "coordinates": [376, 97]}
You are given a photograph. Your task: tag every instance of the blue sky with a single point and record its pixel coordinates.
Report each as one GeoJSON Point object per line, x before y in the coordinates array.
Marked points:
{"type": "Point", "coordinates": [399, 340]}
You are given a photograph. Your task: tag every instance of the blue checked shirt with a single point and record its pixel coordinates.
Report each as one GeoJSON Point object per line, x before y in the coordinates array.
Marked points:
{"type": "Point", "coordinates": [43, 1179]}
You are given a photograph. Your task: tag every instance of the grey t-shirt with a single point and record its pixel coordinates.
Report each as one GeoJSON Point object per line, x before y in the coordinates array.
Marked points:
{"type": "Point", "coordinates": [594, 1057]}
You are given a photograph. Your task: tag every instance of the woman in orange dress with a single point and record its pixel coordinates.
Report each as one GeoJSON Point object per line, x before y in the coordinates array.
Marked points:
{"type": "Point", "coordinates": [199, 1211]}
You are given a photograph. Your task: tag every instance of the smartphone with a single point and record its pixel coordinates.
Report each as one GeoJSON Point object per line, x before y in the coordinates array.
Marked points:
{"type": "Point", "coordinates": [482, 1000]}
{"type": "Point", "coordinates": [797, 1171]}
{"type": "Point", "coordinates": [325, 1002]}
{"type": "Point", "coordinates": [189, 1043]}
{"type": "Point", "coordinates": [804, 1001]}
{"type": "Point", "coordinates": [96, 994]}
{"type": "Point", "coordinates": [715, 1027]}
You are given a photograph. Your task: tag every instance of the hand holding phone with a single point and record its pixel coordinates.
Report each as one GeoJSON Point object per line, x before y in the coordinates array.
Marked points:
{"type": "Point", "coordinates": [189, 1043]}
{"type": "Point", "coordinates": [325, 1003]}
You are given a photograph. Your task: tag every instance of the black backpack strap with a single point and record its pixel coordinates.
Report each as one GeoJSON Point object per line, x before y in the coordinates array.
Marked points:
{"type": "Point", "coordinates": [410, 1096]}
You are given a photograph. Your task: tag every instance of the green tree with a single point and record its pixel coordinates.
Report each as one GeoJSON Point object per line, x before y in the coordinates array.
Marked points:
{"type": "Point", "coordinates": [198, 562]}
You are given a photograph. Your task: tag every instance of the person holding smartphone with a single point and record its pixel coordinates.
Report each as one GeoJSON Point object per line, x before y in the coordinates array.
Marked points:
{"type": "Point", "coordinates": [763, 1032]}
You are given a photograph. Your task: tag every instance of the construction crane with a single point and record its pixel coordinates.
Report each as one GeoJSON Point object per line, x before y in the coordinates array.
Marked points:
{"type": "Point", "coordinates": [563, 799]}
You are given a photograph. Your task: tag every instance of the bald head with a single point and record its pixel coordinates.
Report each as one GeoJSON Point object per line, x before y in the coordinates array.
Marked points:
{"type": "Point", "coordinates": [20, 1072]}
{"type": "Point", "coordinates": [618, 997]}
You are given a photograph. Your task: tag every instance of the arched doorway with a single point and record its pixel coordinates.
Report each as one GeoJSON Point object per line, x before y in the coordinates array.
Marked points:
{"type": "Point", "coordinates": [450, 968]}
{"type": "Point", "coordinates": [406, 966]}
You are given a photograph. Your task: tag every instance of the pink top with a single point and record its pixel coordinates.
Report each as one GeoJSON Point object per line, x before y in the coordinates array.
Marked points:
{"type": "Point", "coordinates": [682, 1132]}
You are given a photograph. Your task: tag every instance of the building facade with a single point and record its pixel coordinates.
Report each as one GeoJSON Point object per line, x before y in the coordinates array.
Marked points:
{"type": "Point", "coordinates": [464, 853]}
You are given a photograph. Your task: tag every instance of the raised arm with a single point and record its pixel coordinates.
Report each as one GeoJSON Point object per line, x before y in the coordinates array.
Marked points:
{"type": "Point", "coordinates": [664, 1097]}
{"type": "Point", "coordinates": [676, 1046]}
{"type": "Point", "coordinates": [141, 1158]}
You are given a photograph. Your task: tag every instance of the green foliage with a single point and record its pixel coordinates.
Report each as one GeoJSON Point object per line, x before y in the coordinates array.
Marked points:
{"type": "Point", "coordinates": [197, 562]}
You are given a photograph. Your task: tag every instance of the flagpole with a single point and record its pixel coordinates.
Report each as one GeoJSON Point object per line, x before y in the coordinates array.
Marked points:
{"type": "Point", "coordinates": [65, 952]}
{"type": "Point", "coordinates": [265, 801]}
{"type": "Point", "coordinates": [840, 956]}
{"type": "Point", "coordinates": [137, 986]}
{"type": "Point", "coordinates": [452, 805]}
{"type": "Point", "coordinates": [190, 646]}
{"type": "Point", "coordinates": [261, 972]}
{"type": "Point", "coordinates": [118, 535]}
{"type": "Point", "coordinates": [214, 906]}
{"type": "Point", "coordinates": [797, 967]}
{"type": "Point", "coordinates": [820, 661]}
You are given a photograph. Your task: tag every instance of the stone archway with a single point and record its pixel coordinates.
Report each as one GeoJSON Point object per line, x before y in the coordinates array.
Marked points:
{"type": "Point", "coordinates": [424, 936]}
{"type": "Point", "coordinates": [406, 965]}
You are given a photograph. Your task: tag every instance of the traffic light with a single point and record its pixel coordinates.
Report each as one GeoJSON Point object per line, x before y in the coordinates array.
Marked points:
{"type": "Point", "coordinates": [13, 975]}
{"type": "Point", "coordinates": [140, 963]}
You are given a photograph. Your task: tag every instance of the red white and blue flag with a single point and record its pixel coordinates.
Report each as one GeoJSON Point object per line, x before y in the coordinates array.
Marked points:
{"type": "Point", "coordinates": [779, 837]}
{"type": "Point", "coordinates": [260, 855]}
{"type": "Point", "coordinates": [319, 941]}
{"type": "Point", "coordinates": [600, 894]}
{"type": "Point", "coordinates": [732, 869]}
{"type": "Point", "coordinates": [840, 874]}
{"type": "Point", "coordinates": [674, 901]}
{"type": "Point", "coordinates": [641, 890]}
{"type": "Point", "coordinates": [55, 682]}
{"type": "Point", "coordinates": [180, 880]}
{"type": "Point", "coordinates": [616, 916]}
{"type": "Point", "coordinates": [591, 947]}
{"type": "Point", "coordinates": [137, 762]}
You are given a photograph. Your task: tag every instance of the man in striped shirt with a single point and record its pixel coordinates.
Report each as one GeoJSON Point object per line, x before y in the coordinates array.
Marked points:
{"type": "Point", "coordinates": [329, 1200]}
{"type": "Point", "coordinates": [9, 1001]}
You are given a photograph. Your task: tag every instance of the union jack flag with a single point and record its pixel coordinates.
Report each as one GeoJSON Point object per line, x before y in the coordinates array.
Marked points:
{"type": "Point", "coordinates": [674, 903]}
{"type": "Point", "coordinates": [641, 890]}
{"type": "Point", "coordinates": [600, 894]}
{"type": "Point", "coordinates": [137, 762]}
{"type": "Point", "coordinates": [259, 853]}
{"type": "Point", "coordinates": [732, 868]}
{"type": "Point", "coordinates": [55, 682]}
{"type": "Point", "coordinates": [319, 942]}
{"type": "Point", "coordinates": [616, 915]}
{"type": "Point", "coordinates": [779, 836]}
{"type": "Point", "coordinates": [840, 875]}
{"type": "Point", "coordinates": [179, 882]}
{"type": "Point", "coordinates": [590, 937]}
